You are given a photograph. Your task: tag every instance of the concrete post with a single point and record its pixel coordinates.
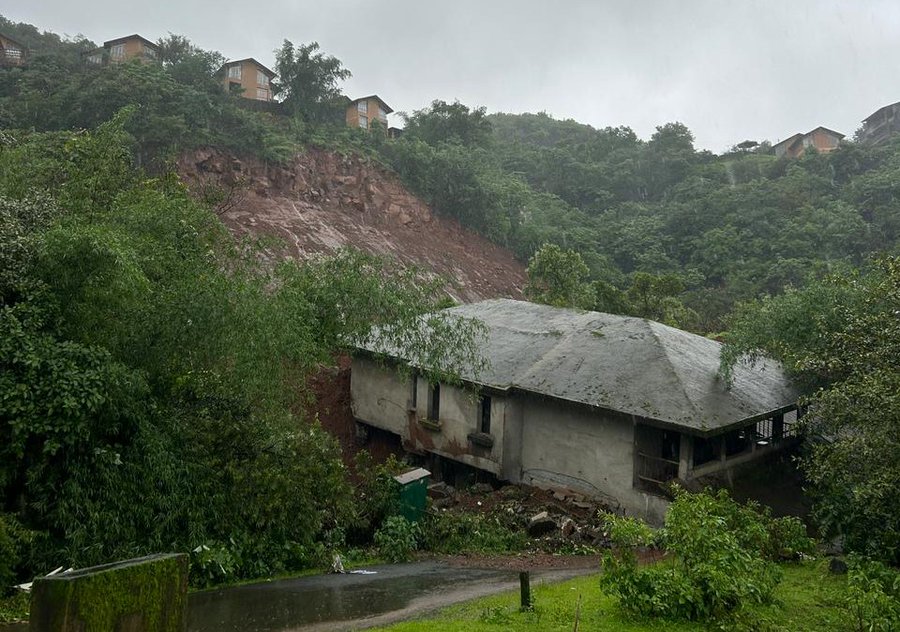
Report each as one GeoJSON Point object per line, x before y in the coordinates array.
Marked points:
{"type": "Point", "coordinates": [777, 428]}
{"type": "Point", "coordinates": [686, 457]}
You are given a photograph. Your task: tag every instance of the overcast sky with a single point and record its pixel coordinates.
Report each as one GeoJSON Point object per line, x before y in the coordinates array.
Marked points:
{"type": "Point", "coordinates": [729, 69]}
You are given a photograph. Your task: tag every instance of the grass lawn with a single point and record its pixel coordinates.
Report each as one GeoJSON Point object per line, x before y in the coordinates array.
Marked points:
{"type": "Point", "coordinates": [808, 598]}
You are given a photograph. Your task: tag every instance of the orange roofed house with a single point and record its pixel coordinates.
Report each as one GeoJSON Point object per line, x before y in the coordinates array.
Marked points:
{"type": "Point", "coordinates": [364, 111]}
{"type": "Point", "coordinates": [822, 139]}
{"type": "Point", "coordinates": [249, 78]}
{"type": "Point", "coordinates": [124, 49]}
{"type": "Point", "coordinates": [12, 53]}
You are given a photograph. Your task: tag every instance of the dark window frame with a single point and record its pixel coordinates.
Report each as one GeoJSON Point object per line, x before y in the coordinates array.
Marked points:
{"type": "Point", "coordinates": [484, 421]}
{"type": "Point", "coordinates": [434, 402]}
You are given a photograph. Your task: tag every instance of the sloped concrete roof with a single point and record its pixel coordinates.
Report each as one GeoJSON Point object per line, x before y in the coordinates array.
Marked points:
{"type": "Point", "coordinates": [631, 365]}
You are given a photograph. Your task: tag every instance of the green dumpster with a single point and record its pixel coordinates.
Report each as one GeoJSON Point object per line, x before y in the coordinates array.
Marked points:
{"type": "Point", "coordinates": [413, 493]}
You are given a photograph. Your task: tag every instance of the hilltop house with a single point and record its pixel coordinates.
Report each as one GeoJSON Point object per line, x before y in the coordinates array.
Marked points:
{"type": "Point", "coordinates": [611, 406]}
{"type": "Point", "coordinates": [364, 111]}
{"type": "Point", "coordinates": [123, 49]}
{"type": "Point", "coordinates": [823, 139]}
{"type": "Point", "coordinates": [12, 52]}
{"type": "Point", "coordinates": [881, 124]}
{"type": "Point", "coordinates": [249, 78]}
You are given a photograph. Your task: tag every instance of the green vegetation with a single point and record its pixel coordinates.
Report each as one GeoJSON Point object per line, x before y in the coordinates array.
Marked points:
{"type": "Point", "coordinates": [463, 532]}
{"type": "Point", "coordinates": [720, 229]}
{"type": "Point", "coordinates": [721, 559]}
{"type": "Point", "coordinates": [397, 539]}
{"type": "Point", "coordinates": [840, 338]}
{"type": "Point", "coordinates": [103, 600]}
{"type": "Point", "coordinates": [308, 82]}
{"type": "Point", "coordinates": [149, 367]}
{"type": "Point", "coordinates": [808, 599]}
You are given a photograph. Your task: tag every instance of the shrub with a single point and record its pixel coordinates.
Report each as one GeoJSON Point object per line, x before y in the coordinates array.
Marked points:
{"type": "Point", "coordinates": [873, 595]}
{"type": "Point", "coordinates": [718, 559]}
{"type": "Point", "coordinates": [8, 555]}
{"type": "Point", "coordinates": [377, 495]}
{"type": "Point", "coordinates": [397, 539]}
{"type": "Point", "coordinates": [453, 532]}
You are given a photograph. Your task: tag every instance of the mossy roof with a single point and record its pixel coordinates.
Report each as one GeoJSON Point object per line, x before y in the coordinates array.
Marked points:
{"type": "Point", "coordinates": [631, 365]}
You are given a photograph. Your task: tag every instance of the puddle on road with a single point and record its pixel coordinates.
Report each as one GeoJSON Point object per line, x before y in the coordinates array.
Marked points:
{"type": "Point", "coordinates": [292, 604]}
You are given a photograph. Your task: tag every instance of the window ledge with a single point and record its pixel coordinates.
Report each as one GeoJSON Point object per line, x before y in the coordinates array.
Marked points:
{"type": "Point", "coordinates": [482, 439]}
{"type": "Point", "coordinates": [430, 424]}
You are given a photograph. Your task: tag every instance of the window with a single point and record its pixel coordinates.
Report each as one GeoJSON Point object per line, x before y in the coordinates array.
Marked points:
{"type": "Point", "coordinates": [362, 107]}
{"type": "Point", "coordinates": [234, 72]}
{"type": "Point", "coordinates": [434, 402]}
{"type": "Point", "coordinates": [485, 423]}
{"type": "Point", "coordinates": [262, 94]}
{"type": "Point", "coordinates": [234, 87]}
{"type": "Point", "coordinates": [262, 79]}
{"type": "Point", "coordinates": [149, 53]}
{"type": "Point", "coordinates": [117, 51]}
{"type": "Point", "coordinates": [382, 115]}
{"type": "Point", "coordinates": [364, 121]}
{"type": "Point", "coordinates": [12, 53]}
{"type": "Point", "coordinates": [414, 392]}
{"type": "Point", "coordinates": [96, 58]}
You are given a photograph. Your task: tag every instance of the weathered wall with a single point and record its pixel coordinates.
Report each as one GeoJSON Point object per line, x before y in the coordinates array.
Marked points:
{"type": "Point", "coordinates": [536, 441]}
{"type": "Point", "coordinates": [141, 595]}
{"type": "Point", "coordinates": [593, 452]}
{"type": "Point", "coordinates": [372, 105]}
{"type": "Point", "coordinates": [248, 81]}
{"type": "Point", "coordinates": [381, 397]}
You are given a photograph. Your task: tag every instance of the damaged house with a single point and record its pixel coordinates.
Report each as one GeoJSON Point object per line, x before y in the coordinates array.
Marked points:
{"type": "Point", "coordinates": [611, 406]}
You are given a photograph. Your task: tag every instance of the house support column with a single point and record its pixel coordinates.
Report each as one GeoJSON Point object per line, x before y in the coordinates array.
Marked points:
{"type": "Point", "coordinates": [685, 457]}
{"type": "Point", "coordinates": [777, 428]}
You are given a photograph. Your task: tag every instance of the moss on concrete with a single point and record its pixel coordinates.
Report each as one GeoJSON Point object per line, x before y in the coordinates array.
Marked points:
{"type": "Point", "coordinates": [142, 595]}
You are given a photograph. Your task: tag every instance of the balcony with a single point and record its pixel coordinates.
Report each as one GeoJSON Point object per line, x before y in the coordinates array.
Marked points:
{"type": "Point", "coordinates": [12, 57]}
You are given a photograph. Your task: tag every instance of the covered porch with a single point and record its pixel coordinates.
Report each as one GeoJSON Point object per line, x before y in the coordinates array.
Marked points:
{"type": "Point", "coordinates": [663, 455]}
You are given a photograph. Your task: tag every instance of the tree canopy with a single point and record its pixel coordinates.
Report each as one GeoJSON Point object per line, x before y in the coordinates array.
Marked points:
{"type": "Point", "coordinates": [840, 337]}
{"type": "Point", "coordinates": [308, 81]}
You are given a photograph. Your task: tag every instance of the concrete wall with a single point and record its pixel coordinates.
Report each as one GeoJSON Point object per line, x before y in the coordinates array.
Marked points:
{"type": "Point", "coordinates": [134, 49]}
{"type": "Point", "coordinates": [372, 105]}
{"type": "Point", "coordinates": [590, 451]}
{"type": "Point", "coordinates": [381, 397]}
{"type": "Point", "coordinates": [824, 142]}
{"type": "Point", "coordinates": [536, 441]}
{"type": "Point", "coordinates": [249, 81]}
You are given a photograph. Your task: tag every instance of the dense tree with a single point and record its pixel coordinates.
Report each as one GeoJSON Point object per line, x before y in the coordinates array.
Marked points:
{"type": "Point", "coordinates": [308, 81]}
{"type": "Point", "coordinates": [149, 368]}
{"type": "Point", "coordinates": [840, 338]}
{"type": "Point", "coordinates": [190, 65]}
{"type": "Point", "coordinates": [558, 277]}
{"type": "Point", "coordinates": [450, 122]}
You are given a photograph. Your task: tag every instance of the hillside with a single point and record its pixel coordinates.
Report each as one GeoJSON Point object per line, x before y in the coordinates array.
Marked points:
{"type": "Point", "coordinates": [323, 201]}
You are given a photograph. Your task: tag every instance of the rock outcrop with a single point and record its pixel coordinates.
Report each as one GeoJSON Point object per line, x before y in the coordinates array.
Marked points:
{"type": "Point", "coordinates": [324, 201]}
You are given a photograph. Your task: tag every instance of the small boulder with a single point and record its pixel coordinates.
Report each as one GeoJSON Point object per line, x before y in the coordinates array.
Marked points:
{"type": "Point", "coordinates": [568, 528]}
{"type": "Point", "coordinates": [541, 524]}
{"type": "Point", "coordinates": [837, 566]}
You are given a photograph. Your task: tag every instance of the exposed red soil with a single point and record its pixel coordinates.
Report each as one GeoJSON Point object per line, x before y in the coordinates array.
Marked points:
{"type": "Point", "coordinates": [325, 201]}
{"type": "Point", "coordinates": [330, 389]}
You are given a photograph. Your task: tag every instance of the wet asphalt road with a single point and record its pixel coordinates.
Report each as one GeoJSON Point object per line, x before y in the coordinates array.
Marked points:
{"type": "Point", "coordinates": [347, 602]}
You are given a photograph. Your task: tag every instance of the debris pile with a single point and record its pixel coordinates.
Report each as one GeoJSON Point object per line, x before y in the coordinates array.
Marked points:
{"type": "Point", "coordinates": [557, 520]}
